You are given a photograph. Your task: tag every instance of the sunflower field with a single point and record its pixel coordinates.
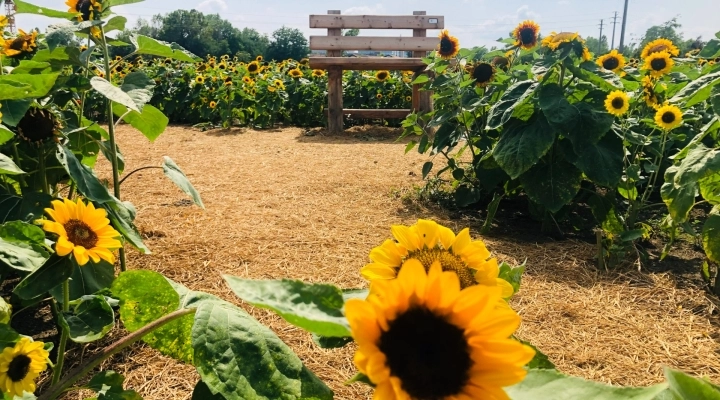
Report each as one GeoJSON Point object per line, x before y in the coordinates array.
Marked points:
{"type": "Point", "coordinates": [435, 321]}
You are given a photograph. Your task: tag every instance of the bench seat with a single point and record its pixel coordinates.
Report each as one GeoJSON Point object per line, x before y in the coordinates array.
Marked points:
{"type": "Point", "coordinates": [367, 63]}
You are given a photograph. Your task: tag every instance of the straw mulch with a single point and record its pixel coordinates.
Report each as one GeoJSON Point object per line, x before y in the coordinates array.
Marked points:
{"type": "Point", "coordinates": [285, 204]}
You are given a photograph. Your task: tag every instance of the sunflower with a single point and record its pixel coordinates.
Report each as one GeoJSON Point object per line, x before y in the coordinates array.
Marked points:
{"type": "Point", "coordinates": [483, 73]}
{"type": "Point", "coordinates": [259, 58]}
{"type": "Point", "coordinates": [586, 54]}
{"type": "Point", "coordinates": [22, 43]}
{"type": "Point", "coordinates": [501, 62]}
{"type": "Point", "coordinates": [3, 21]}
{"type": "Point", "coordinates": [83, 48]}
{"type": "Point", "coordinates": [279, 84]}
{"type": "Point", "coordinates": [228, 81]}
{"type": "Point", "coordinates": [82, 230]}
{"type": "Point", "coordinates": [422, 337]}
{"type": "Point", "coordinates": [554, 40]}
{"type": "Point", "coordinates": [379, 96]}
{"type": "Point", "coordinates": [613, 61]}
{"type": "Point", "coordinates": [648, 84]}
{"type": "Point", "coordinates": [222, 66]}
{"type": "Point", "coordinates": [85, 9]}
{"type": "Point", "coordinates": [246, 79]}
{"type": "Point", "coordinates": [427, 242]}
{"type": "Point", "coordinates": [213, 104]}
{"type": "Point", "coordinates": [658, 64]}
{"type": "Point", "coordinates": [382, 76]}
{"type": "Point", "coordinates": [668, 117]}
{"type": "Point", "coordinates": [200, 79]}
{"type": "Point", "coordinates": [20, 365]}
{"type": "Point", "coordinates": [617, 103]}
{"type": "Point", "coordinates": [318, 73]}
{"type": "Point", "coordinates": [39, 126]}
{"type": "Point", "coordinates": [526, 34]}
{"type": "Point", "coordinates": [253, 67]}
{"type": "Point", "coordinates": [295, 73]}
{"type": "Point", "coordinates": [271, 88]}
{"type": "Point", "coordinates": [658, 45]}
{"type": "Point", "coordinates": [449, 46]}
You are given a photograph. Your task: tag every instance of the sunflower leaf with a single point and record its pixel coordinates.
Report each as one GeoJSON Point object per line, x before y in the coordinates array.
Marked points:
{"type": "Point", "coordinates": [8, 166]}
{"type": "Point", "coordinates": [686, 387]}
{"type": "Point", "coordinates": [52, 273]}
{"type": "Point", "coordinates": [22, 7]}
{"type": "Point", "coordinates": [22, 246]}
{"type": "Point", "coordinates": [175, 174]}
{"type": "Point", "coordinates": [202, 392]}
{"type": "Point", "coordinates": [24, 86]}
{"type": "Point", "coordinates": [5, 134]}
{"type": "Point", "coordinates": [522, 144]}
{"type": "Point", "coordinates": [87, 182]}
{"type": "Point", "coordinates": [150, 46]}
{"type": "Point", "coordinates": [13, 111]}
{"type": "Point", "coordinates": [151, 122]}
{"type": "Point", "coordinates": [89, 279]}
{"type": "Point", "coordinates": [90, 319]}
{"type": "Point", "coordinates": [112, 92]}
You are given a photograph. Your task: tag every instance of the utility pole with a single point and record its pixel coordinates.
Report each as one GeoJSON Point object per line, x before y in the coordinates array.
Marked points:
{"type": "Point", "coordinates": [622, 31]}
{"type": "Point", "coordinates": [612, 46]}
{"type": "Point", "coordinates": [600, 37]}
{"type": "Point", "coordinates": [10, 9]}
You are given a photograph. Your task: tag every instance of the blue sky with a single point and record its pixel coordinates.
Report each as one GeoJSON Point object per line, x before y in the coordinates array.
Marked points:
{"type": "Point", "coordinates": [474, 22]}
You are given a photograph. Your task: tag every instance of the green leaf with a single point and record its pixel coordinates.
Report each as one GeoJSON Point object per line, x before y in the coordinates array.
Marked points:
{"type": "Point", "coordinates": [151, 122]}
{"type": "Point", "coordinates": [109, 386]}
{"type": "Point", "coordinates": [512, 275]}
{"type": "Point", "coordinates": [150, 46]}
{"type": "Point", "coordinates": [540, 361]}
{"type": "Point", "coordinates": [90, 319]}
{"type": "Point", "coordinates": [139, 87]}
{"type": "Point", "coordinates": [202, 392]}
{"type": "Point", "coordinates": [427, 167]}
{"type": "Point", "coordinates": [122, 219]}
{"type": "Point", "coordinates": [522, 145]}
{"type": "Point", "coordinates": [88, 279]}
{"type": "Point", "coordinates": [325, 342]}
{"type": "Point", "coordinates": [711, 49]}
{"type": "Point", "coordinates": [59, 56]}
{"type": "Point", "coordinates": [552, 185]}
{"type": "Point", "coordinates": [175, 174]}
{"type": "Point", "coordinates": [590, 72]}
{"type": "Point", "coordinates": [690, 388]}
{"type": "Point", "coordinates": [113, 92]}
{"type": "Point", "coordinates": [5, 135]}
{"type": "Point", "coordinates": [700, 163]}
{"type": "Point", "coordinates": [711, 237]}
{"type": "Point", "coordinates": [678, 199]}
{"type": "Point", "coordinates": [113, 3]}
{"type": "Point", "coordinates": [26, 208]}
{"type": "Point", "coordinates": [240, 358]}
{"type": "Point", "coordinates": [115, 23]}
{"type": "Point", "coordinates": [593, 124]}
{"type": "Point", "coordinates": [317, 308]}
{"type": "Point", "coordinates": [52, 273]}
{"type": "Point", "coordinates": [22, 7]}
{"type": "Point", "coordinates": [24, 86]}
{"type": "Point", "coordinates": [22, 232]}
{"type": "Point", "coordinates": [420, 79]}
{"type": "Point", "coordinates": [710, 189]}
{"type": "Point", "coordinates": [13, 111]}
{"type": "Point", "coordinates": [8, 336]}
{"type": "Point", "coordinates": [698, 90]}
{"type": "Point", "coordinates": [550, 384]}
{"type": "Point", "coordinates": [513, 97]}
{"type": "Point", "coordinates": [146, 296]}
{"type": "Point", "coordinates": [84, 177]}
{"type": "Point", "coordinates": [21, 255]}
{"type": "Point", "coordinates": [8, 166]}
{"type": "Point", "coordinates": [601, 162]}
{"type": "Point", "coordinates": [559, 112]}
{"type": "Point", "coordinates": [5, 312]}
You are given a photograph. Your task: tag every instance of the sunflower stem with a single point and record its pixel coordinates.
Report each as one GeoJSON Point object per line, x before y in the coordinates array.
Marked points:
{"type": "Point", "coordinates": [41, 169]}
{"type": "Point", "coordinates": [17, 159]}
{"type": "Point", "coordinates": [75, 374]}
{"type": "Point", "coordinates": [57, 371]}
{"type": "Point", "coordinates": [562, 74]}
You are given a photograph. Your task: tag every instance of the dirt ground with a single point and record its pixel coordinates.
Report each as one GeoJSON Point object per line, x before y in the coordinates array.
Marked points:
{"type": "Point", "coordinates": [288, 204]}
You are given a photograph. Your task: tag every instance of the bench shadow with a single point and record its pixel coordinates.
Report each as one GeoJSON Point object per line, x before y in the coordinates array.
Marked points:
{"type": "Point", "coordinates": [354, 134]}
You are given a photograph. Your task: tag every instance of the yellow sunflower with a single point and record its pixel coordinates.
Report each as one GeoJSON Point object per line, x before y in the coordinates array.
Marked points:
{"type": "Point", "coordinates": [200, 79]}
{"type": "Point", "coordinates": [428, 242]}
{"type": "Point", "coordinates": [20, 365]}
{"type": "Point", "coordinates": [247, 80]}
{"type": "Point", "coordinates": [483, 73]}
{"type": "Point", "coordinates": [586, 54]}
{"type": "Point", "coordinates": [279, 84]}
{"type": "Point", "coordinates": [668, 117]}
{"type": "Point", "coordinates": [82, 230]}
{"type": "Point", "coordinates": [259, 58]}
{"type": "Point", "coordinates": [228, 81]}
{"type": "Point", "coordinates": [449, 46]}
{"type": "Point", "coordinates": [213, 104]}
{"type": "Point", "coordinates": [408, 98]}
{"type": "Point", "coordinates": [526, 34]}
{"type": "Point", "coordinates": [22, 43]}
{"type": "Point", "coordinates": [271, 88]}
{"type": "Point", "coordinates": [295, 73]}
{"type": "Point", "coordinates": [648, 84]}
{"type": "Point", "coordinates": [554, 40]}
{"type": "Point", "coordinates": [253, 67]}
{"type": "Point", "coordinates": [85, 9]}
{"type": "Point", "coordinates": [318, 73]}
{"type": "Point", "coordinates": [658, 64]}
{"type": "Point", "coordinates": [613, 61]}
{"type": "Point", "coordinates": [382, 76]}
{"type": "Point", "coordinates": [659, 45]}
{"type": "Point", "coordinates": [617, 103]}
{"type": "Point", "coordinates": [379, 96]}
{"type": "Point", "coordinates": [422, 337]}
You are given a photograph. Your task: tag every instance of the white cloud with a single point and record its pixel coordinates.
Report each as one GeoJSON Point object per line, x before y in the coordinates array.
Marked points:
{"type": "Point", "coordinates": [377, 9]}
{"type": "Point", "coordinates": [210, 5]}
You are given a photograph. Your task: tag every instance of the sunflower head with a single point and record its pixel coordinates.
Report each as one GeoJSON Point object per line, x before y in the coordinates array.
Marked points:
{"type": "Point", "coordinates": [668, 117]}
{"type": "Point", "coordinates": [501, 62]}
{"type": "Point", "coordinates": [617, 103]}
{"type": "Point", "coordinates": [613, 61]}
{"type": "Point", "coordinates": [20, 365]}
{"type": "Point", "coordinates": [318, 73]}
{"type": "Point", "coordinates": [82, 230]}
{"type": "Point", "coordinates": [39, 126]}
{"type": "Point", "coordinates": [428, 242]}
{"type": "Point", "coordinates": [253, 67]}
{"type": "Point", "coordinates": [382, 76]}
{"type": "Point", "coordinates": [658, 64]}
{"type": "Point", "coordinates": [408, 98]}
{"type": "Point", "coordinates": [421, 337]}
{"type": "Point", "coordinates": [483, 73]}
{"type": "Point", "coordinates": [649, 95]}
{"type": "Point", "coordinates": [200, 79]}
{"type": "Point", "coordinates": [85, 9]}
{"type": "Point", "coordinates": [295, 73]}
{"type": "Point", "coordinates": [246, 79]}
{"type": "Point", "coordinates": [212, 104]}
{"type": "Point", "coordinates": [554, 40]}
{"type": "Point", "coordinates": [279, 84]}
{"type": "Point", "coordinates": [22, 43]}
{"type": "Point", "coordinates": [658, 45]}
{"type": "Point", "coordinates": [271, 88]}
{"type": "Point", "coordinates": [526, 34]}
{"type": "Point", "coordinates": [259, 58]}
{"type": "Point", "coordinates": [449, 46]}
{"type": "Point", "coordinates": [228, 81]}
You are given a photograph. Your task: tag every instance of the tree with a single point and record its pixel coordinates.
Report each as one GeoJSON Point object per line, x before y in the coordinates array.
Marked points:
{"type": "Point", "coordinates": [598, 47]}
{"type": "Point", "coordinates": [667, 30]}
{"type": "Point", "coordinates": [252, 42]}
{"type": "Point", "coordinates": [352, 32]}
{"type": "Point", "coordinates": [287, 43]}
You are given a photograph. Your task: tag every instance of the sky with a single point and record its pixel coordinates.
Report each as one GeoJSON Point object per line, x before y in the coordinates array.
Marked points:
{"type": "Point", "coordinates": [474, 22]}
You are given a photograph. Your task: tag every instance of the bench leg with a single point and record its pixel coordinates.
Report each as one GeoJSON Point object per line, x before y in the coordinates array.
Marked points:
{"type": "Point", "coordinates": [335, 101]}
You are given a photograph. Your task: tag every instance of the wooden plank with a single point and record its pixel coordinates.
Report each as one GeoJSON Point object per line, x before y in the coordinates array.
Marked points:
{"type": "Point", "coordinates": [335, 101]}
{"type": "Point", "coordinates": [377, 113]}
{"type": "Point", "coordinates": [368, 63]}
{"type": "Point", "coordinates": [334, 32]}
{"type": "Point", "coordinates": [378, 21]}
{"type": "Point", "coordinates": [379, 43]}
{"type": "Point", "coordinates": [419, 33]}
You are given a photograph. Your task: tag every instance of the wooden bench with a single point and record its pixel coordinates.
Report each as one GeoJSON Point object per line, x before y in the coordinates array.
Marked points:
{"type": "Point", "coordinates": [334, 44]}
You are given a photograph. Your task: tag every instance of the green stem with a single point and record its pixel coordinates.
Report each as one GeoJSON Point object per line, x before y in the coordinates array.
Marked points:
{"type": "Point", "coordinates": [57, 370]}
{"type": "Point", "coordinates": [41, 169]}
{"type": "Point", "coordinates": [78, 372]}
{"type": "Point", "coordinates": [17, 159]}
{"type": "Point", "coordinates": [562, 74]}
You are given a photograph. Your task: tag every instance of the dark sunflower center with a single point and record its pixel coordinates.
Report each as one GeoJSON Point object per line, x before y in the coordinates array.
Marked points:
{"type": "Point", "coordinates": [482, 72]}
{"type": "Point", "coordinates": [252, 67]}
{"type": "Point", "coordinates": [668, 117]}
{"type": "Point", "coordinates": [658, 64]}
{"type": "Point", "coordinates": [382, 76]}
{"type": "Point", "coordinates": [618, 103]}
{"type": "Point", "coordinates": [19, 368]}
{"type": "Point", "coordinates": [448, 261]}
{"type": "Point", "coordinates": [84, 7]}
{"type": "Point", "coordinates": [527, 36]}
{"type": "Point", "coordinates": [80, 234]}
{"type": "Point", "coordinates": [611, 63]}
{"type": "Point", "coordinates": [37, 125]}
{"type": "Point", "coordinates": [428, 354]}
{"type": "Point", "coordinates": [446, 46]}
{"type": "Point", "coordinates": [18, 44]}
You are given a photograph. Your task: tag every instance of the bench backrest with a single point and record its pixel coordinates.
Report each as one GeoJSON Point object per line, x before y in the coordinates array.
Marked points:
{"type": "Point", "coordinates": [335, 43]}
